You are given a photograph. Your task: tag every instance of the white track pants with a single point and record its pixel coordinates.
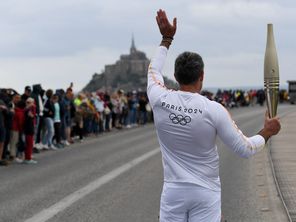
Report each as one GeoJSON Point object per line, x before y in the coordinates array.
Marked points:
{"type": "Point", "coordinates": [184, 202]}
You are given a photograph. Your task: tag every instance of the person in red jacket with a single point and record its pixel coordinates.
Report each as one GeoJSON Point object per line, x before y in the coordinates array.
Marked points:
{"type": "Point", "coordinates": [3, 110]}
{"type": "Point", "coordinates": [29, 129]}
{"type": "Point", "coordinates": [17, 127]}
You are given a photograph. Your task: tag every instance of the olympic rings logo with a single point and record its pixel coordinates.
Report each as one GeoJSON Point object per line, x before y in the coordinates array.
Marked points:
{"type": "Point", "coordinates": [179, 119]}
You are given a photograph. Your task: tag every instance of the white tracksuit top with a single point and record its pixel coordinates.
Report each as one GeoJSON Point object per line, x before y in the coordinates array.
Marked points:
{"type": "Point", "coordinates": [187, 125]}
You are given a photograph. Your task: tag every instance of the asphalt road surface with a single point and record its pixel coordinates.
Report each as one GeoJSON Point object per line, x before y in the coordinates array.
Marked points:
{"type": "Point", "coordinates": [117, 177]}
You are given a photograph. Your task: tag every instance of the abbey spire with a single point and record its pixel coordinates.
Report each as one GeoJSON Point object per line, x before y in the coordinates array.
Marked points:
{"type": "Point", "coordinates": [133, 47]}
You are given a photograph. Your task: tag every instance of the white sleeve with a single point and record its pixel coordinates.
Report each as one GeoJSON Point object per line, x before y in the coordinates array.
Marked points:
{"type": "Point", "coordinates": [233, 137]}
{"type": "Point", "coordinates": [155, 83]}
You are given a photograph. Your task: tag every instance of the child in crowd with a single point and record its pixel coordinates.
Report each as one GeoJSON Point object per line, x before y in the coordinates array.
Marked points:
{"type": "Point", "coordinates": [30, 113]}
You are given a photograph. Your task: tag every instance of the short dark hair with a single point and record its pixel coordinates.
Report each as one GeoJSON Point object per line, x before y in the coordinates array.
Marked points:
{"type": "Point", "coordinates": [49, 93]}
{"type": "Point", "coordinates": [188, 68]}
{"type": "Point", "coordinates": [28, 88]}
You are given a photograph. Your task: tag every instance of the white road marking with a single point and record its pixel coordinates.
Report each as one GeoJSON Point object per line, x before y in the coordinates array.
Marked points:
{"type": "Point", "coordinates": [51, 211]}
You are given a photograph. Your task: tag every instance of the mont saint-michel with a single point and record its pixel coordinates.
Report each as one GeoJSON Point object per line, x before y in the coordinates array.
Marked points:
{"type": "Point", "coordinates": [128, 73]}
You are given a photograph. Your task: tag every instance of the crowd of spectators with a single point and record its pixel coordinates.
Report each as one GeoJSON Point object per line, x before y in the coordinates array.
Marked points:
{"type": "Point", "coordinates": [49, 120]}
{"type": "Point", "coordinates": [238, 98]}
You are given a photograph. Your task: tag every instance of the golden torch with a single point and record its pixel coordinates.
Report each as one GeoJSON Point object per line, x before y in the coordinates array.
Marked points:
{"type": "Point", "coordinates": [271, 73]}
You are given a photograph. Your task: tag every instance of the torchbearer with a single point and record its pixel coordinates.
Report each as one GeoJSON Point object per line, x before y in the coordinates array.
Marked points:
{"type": "Point", "coordinates": [271, 73]}
{"type": "Point", "coordinates": [187, 126]}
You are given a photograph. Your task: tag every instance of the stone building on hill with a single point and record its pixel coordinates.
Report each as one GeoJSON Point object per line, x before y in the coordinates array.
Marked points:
{"type": "Point", "coordinates": [128, 73]}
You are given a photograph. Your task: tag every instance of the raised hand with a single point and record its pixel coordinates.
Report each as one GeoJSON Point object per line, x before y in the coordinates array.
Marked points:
{"type": "Point", "coordinates": [165, 27]}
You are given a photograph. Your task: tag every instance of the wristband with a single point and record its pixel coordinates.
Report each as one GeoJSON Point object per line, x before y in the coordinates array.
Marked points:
{"type": "Point", "coordinates": [167, 41]}
{"type": "Point", "coordinates": [167, 37]}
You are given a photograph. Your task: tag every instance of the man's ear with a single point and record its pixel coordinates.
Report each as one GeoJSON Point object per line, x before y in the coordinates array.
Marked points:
{"type": "Point", "coordinates": [201, 78]}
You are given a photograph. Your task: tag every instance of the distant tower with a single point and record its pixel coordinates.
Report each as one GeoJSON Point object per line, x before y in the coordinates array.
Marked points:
{"type": "Point", "coordinates": [133, 47]}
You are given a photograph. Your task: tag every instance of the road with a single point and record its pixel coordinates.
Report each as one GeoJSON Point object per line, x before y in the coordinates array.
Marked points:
{"type": "Point", "coordinates": [111, 178]}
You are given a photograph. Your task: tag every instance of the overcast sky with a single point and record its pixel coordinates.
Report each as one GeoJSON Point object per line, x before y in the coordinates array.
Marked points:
{"type": "Point", "coordinates": [59, 41]}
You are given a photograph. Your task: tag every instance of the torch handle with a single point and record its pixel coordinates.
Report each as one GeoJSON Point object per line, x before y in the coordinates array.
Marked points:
{"type": "Point", "coordinates": [272, 95]}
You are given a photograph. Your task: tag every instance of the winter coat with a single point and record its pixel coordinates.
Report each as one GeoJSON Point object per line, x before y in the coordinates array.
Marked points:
{"type": "Point", "coordinates": [18, 120]}
{"type": "Point", "coordinates": [29, 126]}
